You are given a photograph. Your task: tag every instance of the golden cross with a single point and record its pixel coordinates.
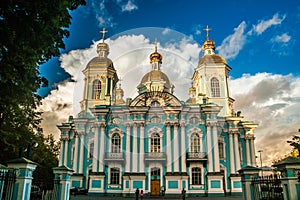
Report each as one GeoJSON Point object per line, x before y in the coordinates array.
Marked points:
{"type": "Point", "coordinates": [155, 42]}
{"type": "Point", "coordinates": [103, 31]}
{"type": "Point", "coordinates": [207, 29]}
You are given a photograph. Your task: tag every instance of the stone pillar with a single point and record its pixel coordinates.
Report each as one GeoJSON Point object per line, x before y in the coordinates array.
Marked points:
{"type": "Point", "coordinates": [81, 154]}
{"type": "Point", "coordinates": [169, 151]}
{"type": "Point", "coordinates": [102, 151]}
{"type": "Point", "coordinates": [253, 152]}
{"type": "Point", "coordinates": [66, 151]}
{"type": "Point", "coordinates": [290, 171]}
{"type": "Point", "coordinates": [134, 153]}
{"type": "Point", "coordinates": [23, 182]}
{"type": "Point", "coordinates": [237, 152]}
{"type": "Point", "coordinates": [216, 148]}
{"type": "Point", "coordinates": [247, 174]}
{"type": "Point", "coordinates": [248, 160]}
{"type": "Point", "coordinates": [96, 149]}
{"type": "Point", "coordinates": [176, 150]}
{"type": "Point", "coordinates": [209, 149]}
{"type": "Point", "coordinates": [142, 146]}
{"type": "Point", "coordinates": [63, 175]}
{"type": "Point", "coordinates": [61, 152]}
{"type": "Point", "coordinates": [183, 148]}
{"type": "Point", "coordinates": [75, 159]}
{"type": "Point", "coordinates": [232, 168]}
{"type": "Point", "coordinates": [128, 158]}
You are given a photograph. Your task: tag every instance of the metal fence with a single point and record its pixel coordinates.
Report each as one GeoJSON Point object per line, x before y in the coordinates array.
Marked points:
{"type": "Point", "coordinates": [267, 188]}
{"type": "Point", "coordinates": [7, 183]}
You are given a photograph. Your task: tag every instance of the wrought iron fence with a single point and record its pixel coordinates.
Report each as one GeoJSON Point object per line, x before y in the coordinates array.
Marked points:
{"type": "Point", "coordinates": [267, 188]}
{"type": "Point", "coordinates": [39, 191]}
{"type": "Point", "coordinates": [7, 183]}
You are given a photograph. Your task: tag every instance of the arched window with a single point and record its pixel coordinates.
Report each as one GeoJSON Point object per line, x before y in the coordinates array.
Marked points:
{"type": "Point", "coordinates": [116, 143]}
{"type": "Point", "coordinates": [195, 143]}
{"type": "Point", "coordinates": [115, 176]}
{"type": "Point", "coordinates": [215, 87]}
{"type": "Point", "coordinates": [155, 142]}
{"type": "Point", "coordinates": [221, 149]}
{"type": "Point", "coordinates": [196, 176]}
{"type": "Point", "coordinates": [96, 89]}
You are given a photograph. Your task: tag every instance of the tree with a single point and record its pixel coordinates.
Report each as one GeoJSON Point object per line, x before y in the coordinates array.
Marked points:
{"type": "Point", "coordinates": [31, 33]}
{"type": "Point", "coordinates": [295, 143]}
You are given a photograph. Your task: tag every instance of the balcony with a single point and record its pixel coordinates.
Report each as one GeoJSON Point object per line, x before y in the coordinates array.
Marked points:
{"type": "Point", "coordinates": [155, 157]}
{"type": "Point", "coordinates": [114, 157]}
{"type": "Point", "coordinates": [196, 156]}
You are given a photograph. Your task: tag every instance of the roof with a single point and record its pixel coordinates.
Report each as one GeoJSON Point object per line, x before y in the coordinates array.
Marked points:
{"type": "Point", "coordinates": [213, 58]}
{"type": "Point", "coordinates": [156, 75]}
{"type": "Point", "coordinates": [100, 62]}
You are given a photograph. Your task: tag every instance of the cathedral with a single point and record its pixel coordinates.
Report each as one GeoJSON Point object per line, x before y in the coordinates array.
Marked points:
{"type": "Point", "coordinates": [155, 141]}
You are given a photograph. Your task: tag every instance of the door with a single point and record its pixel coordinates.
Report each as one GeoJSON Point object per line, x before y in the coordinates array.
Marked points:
{"type": "Point", "coordinates": [155, 187]}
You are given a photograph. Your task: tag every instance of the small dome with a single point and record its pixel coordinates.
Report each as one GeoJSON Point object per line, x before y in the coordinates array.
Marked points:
{"type": "Point", "coordinates": [214, 58]}
{"type": "Point", "coordinates": [155, 57]}
{"type": "Point", "coordinates": [100, 62]}
{"type": "Point", "coordinates": [208, 44]}
{"type": "Point", "coordinates": [102, 47]}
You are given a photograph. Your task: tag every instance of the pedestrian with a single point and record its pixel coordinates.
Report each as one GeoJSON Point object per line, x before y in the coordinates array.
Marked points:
{"type": "Point", "coordinates": [137, 193]}
{"type": "Point", "coordinates": [183, 193]}
{"type": "Point", "coordinates": [142, 194]}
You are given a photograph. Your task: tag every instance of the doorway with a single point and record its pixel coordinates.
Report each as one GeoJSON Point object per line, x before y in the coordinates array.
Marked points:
{"type": "Point", "coordinates": [155, 182]}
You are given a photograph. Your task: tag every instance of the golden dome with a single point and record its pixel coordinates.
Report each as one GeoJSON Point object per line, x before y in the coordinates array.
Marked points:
{"type": "Point", "coordinates": [155, 57]}
{"type": "Point", "coordinates": [156, 76]}
{"type": "Point", "coordinates": [102, 47]}
{"type": "Point", "coordinates": [208, 44]}
{"type": "Point", "coordinates": [210, 59]}
{"type": "Point", "coordinates": [100, 62]}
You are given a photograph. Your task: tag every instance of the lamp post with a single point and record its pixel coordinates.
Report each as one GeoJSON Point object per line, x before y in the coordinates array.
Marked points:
{"type": "Point", "coordinates": [28, 150]}
{"type": "Point", "coordinates": [260, 151]}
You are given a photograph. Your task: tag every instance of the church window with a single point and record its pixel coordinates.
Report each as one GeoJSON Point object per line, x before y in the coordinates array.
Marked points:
{"type": "Point", "coordinates": [221, 149]}
{"type": "Point", "coordinates": [215, 87]}
{"type": "Point", "coordinates": [196, 176]}
{"type": "Point", "coordinates": [155, 142]}
{"type": "Point", "coordinates": [114, 176]}
{"type": "Point", "coordinates": [96, 89]}
{"type": "Point", "coordinates": [195, 143]}
{"type": "Point", "coordinates": [116, 143]}
{"type": "Point", "coordinates": [91, 150]}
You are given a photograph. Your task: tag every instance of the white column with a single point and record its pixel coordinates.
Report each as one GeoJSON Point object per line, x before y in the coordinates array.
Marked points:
{"type": "Point", "coordinates": [135, 152]}
{"type": "Point", "coordinates": [96, 141]}
{"type": "Point", "coordinates": [169, 151]}
{"type": "Point", "coordinates": [237, 152]}
{"type": "Point", "coordinates": [232, 168]}
{"type": "Point", "coordinates": [176, 150]}
{"type": "Point", "coordinates": [253, 152]}
{"type": "Point", "coordinates": [81, 155]}
{"type": "Point", "coordinates": [66, 152]}
{"type": "Point", "coordinates": [248, 161]}
{"type": "Point", "coordinates": [75, 161]}
{"type": "Point", "coordinates": [127, 165]}
{"type": "Point", "coordinates": [102, 151]}
{"type": "Point", "coordinates": [209, 149]}
{"type": "Point", "coordinates": [142, 146]}
{"type": "Point", "coordinates": [216, 149]}
{"type": "Point", "coordinates": [183, 148]}
{"type": "Point", "coordinates": [61, 153]}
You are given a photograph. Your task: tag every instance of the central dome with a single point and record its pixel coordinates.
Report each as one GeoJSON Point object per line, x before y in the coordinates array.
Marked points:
{"type": "Point", "coordinates": [156, 76]}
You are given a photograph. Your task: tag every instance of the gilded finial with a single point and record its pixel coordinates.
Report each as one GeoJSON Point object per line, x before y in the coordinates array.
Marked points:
{"type": "Point", "coordinates": [207, 32]}
{"type": "Point", "coordinates": [103, 31]}
{"type": "Point", "coordinates": [155, 42]}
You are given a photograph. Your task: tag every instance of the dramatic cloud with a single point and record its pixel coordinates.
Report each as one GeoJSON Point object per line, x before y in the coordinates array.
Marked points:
{"type": "Point", "coordinates": [263, 25]}
{"type": "Point", "coordinates": [272, 101]}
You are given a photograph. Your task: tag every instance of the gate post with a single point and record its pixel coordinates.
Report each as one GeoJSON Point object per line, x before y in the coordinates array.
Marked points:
{"type": "Point", "coordinates": [63, 174]}
{"type": "Point", "coordinates": [290, 168]}
{"type": "Point", "coordinates": [247, 174]}
{"type": "Point", "coordinates": [23, 182]}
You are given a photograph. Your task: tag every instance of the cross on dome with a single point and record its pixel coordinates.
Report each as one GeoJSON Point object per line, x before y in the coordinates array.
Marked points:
{"type": "Point", "coordinates": [103, 31]}
{"type": "Point", "coordinates": [207, 29]}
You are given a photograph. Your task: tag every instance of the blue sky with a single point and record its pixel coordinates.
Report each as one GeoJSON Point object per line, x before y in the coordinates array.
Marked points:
{"type": "Point", "coordinates": [259, 39]}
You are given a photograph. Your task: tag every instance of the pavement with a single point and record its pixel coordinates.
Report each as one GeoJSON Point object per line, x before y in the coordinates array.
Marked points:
{"type": "Point", "coordinates": [85, 197]}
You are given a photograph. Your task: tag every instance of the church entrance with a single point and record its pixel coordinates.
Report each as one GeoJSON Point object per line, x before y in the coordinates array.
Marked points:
{"type": "Point", "coordinates": [155, 182]}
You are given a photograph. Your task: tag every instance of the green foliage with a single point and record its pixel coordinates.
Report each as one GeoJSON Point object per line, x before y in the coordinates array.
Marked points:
{"type": "Point", "coordinates": [295, 143]}
{"type": "Point", "coordinates": [31, 33]}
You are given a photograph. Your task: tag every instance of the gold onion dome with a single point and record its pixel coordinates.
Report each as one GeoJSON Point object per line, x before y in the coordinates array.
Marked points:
{"type": "Point", "coordinates": [155, 56]}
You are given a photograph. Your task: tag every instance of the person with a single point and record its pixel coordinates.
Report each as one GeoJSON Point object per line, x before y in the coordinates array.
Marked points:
{"type": "Point", "coordinates": [137, 193]}
{"type": "Point", "coordinates": [142, 194]}
{"type": "Point", "coordinates": [183, 193]}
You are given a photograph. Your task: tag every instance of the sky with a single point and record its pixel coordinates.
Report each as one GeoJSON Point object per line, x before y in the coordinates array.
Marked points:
{"type": "Point", "coordinates": [259, 40]}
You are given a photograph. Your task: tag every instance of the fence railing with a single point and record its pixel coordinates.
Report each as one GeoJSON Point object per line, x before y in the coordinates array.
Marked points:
{"type": "Point", "coordinates": [7, 183]}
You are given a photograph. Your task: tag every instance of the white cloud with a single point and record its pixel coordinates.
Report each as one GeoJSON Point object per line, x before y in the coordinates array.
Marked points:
{"type": "Point", "coordinates": [129, 6]}
{"type": "Point", "coordinates": [284, 38]}
{"type": "Point", "coordinates": [263, 25]}
{"type": "Point", "coordinates": [232, 44]}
